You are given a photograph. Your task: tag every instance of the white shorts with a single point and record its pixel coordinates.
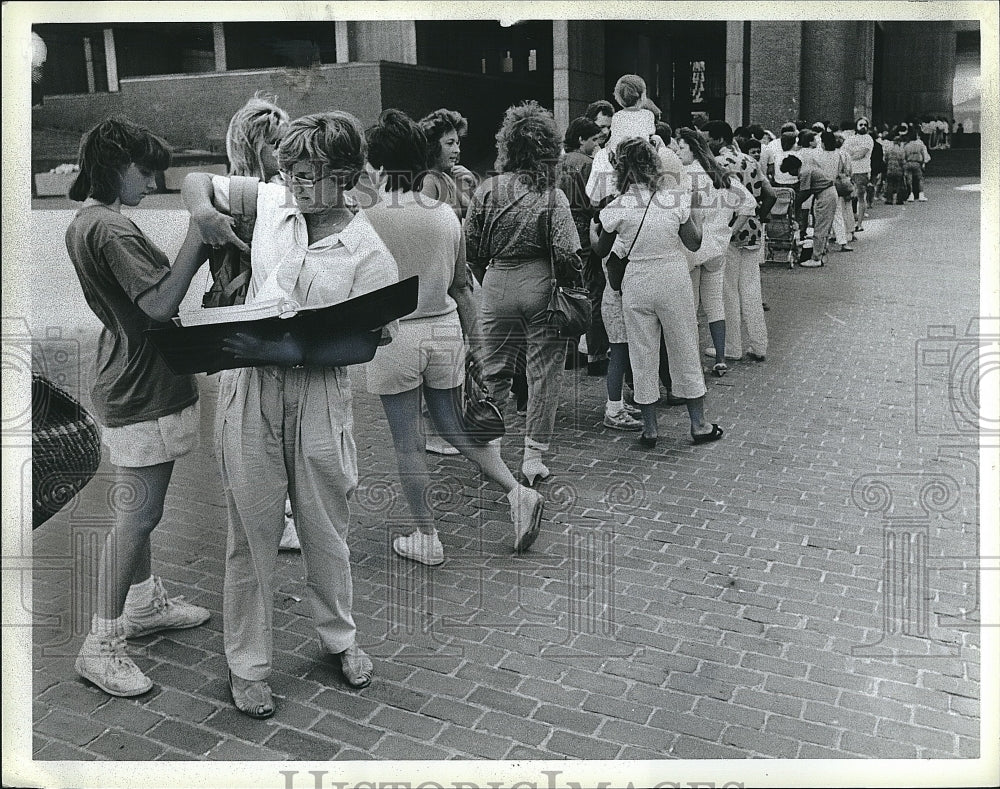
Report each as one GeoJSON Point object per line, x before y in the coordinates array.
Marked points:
{"type": "Point", "coordinates": [428, 351]}
{"type": "Point", "coordinates": [154, 441]}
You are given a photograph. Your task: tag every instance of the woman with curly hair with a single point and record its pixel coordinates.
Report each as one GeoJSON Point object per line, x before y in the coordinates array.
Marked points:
{"type": "Point", "coordinates": [519, 227]}
{"type": "Point", "coordinates": [446, 180]}
{"type": "Point", "coordinates": [657, 225]}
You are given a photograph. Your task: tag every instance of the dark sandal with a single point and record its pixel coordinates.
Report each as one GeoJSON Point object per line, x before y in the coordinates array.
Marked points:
{"type": "Point", "coordinates": [254, 700]}
{"type": "Point", "coordinates": [704, 438]}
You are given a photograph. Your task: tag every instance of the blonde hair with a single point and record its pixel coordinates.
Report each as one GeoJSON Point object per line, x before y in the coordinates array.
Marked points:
{"type": "Point", "coordinates": [334, 140]}
{"type": "Point", "coordinates": [630, 90]}
{"type": "Point", "coordinates": [257, 123]}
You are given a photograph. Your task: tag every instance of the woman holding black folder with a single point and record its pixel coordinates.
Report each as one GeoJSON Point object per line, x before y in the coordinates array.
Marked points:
{"type": "Point", "coordinates": [285, 425]}
{"type": "Point", "coordinates": [427, 356]}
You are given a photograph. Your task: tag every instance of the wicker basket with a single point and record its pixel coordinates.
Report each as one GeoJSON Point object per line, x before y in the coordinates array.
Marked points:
{"type": "Point", "coordinates": [65, 448]}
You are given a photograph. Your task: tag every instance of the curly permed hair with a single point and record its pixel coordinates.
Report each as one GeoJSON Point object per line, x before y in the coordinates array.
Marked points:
{"type": "Point", "coordinates": [637, 162]}
{"type": "Point", "coordinates": [528, 143]}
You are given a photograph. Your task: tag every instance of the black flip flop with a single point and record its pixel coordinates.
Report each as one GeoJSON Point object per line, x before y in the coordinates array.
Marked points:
{"type": "Point", "coordinates": [705, 438]}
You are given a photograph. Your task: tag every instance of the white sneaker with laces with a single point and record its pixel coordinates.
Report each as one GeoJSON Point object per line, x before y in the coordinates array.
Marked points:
{"type": "Point", "coordinates": [424, 548]}
{"type": "Point", "coordinates": [162, 613]}
{"type": "Point", "coordinates": [631, 410]}
{"type": "Point", "coordinates": [909, 199]}
{"type": "Point", "coordinates": [104, 661]}
{"type": "Point", "coordinates": [922, 198]}
{"type": "Point", "coordinates": [622, 420]}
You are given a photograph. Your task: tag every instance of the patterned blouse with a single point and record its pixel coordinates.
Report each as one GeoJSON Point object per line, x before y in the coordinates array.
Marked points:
{"type": "Point", "coordinates": [745, 167]}
{"type": "Point", "coordinates": [509, 219]}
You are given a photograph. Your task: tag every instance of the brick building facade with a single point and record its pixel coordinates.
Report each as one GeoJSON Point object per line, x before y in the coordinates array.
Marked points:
{"type": "Point", "coordinates": [186, 79]}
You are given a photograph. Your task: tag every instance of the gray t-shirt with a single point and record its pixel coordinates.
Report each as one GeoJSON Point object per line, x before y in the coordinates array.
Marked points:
{"type": "Point", "coordinates": [116, 264]}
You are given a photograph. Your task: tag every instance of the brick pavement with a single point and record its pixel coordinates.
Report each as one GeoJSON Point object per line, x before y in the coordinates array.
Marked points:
{"type": "Point", "coordinates": [724, 601]}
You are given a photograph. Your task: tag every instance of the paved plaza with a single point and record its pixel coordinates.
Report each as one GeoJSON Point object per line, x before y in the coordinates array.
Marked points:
{"type": "Point", "coordinates": [807, 588]}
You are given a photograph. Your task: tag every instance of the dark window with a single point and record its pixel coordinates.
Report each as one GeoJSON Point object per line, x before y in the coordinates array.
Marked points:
{"type": "Point", "coordinates": [523, 50]}
{"type": "Point", "coordinates": [274, 45]}
{"type": "Point", "coordinates": [148, 49]}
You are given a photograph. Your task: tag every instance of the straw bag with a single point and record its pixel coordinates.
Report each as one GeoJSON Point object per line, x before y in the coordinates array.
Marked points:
{"type": "Point", "coordinates": [65, 449]}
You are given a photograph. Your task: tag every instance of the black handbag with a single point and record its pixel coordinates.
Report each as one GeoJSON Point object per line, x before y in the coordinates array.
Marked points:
{"type": "Point", "coordinates": [65, 449]}
{"type": "Point", "coordinates": [616, 265]}
{"type": "Point", "coordinates": [481, 417]}
{"type": "Point", "coordinates": [843, 185]}
{"type": "Point", "coordinates": [570, 309]}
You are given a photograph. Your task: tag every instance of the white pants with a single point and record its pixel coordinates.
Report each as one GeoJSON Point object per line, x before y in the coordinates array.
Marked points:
{"type": "Point", "coordinates": [279, 430]}
{"type": "Point", "coordinates": [707, 285]}
{"type": "Point", "coordinates": [657, 298]}
{"type": "Point", "coordinates": [744, 310]}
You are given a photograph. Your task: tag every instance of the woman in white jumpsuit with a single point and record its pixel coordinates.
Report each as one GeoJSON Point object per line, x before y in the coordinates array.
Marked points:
{"type": "Point", "coordinates": [287, 425]}
{"type": "Point", "coordinates": [656, 291]}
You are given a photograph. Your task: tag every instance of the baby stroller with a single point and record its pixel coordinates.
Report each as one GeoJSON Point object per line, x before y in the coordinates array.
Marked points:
{"type": "Point", "coordinates": [782, 244]}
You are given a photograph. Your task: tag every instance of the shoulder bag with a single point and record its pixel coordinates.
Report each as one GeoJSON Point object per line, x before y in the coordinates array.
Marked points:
{"type": "Point", "coordinates": [617, 265]}
{"type": "Point", "coordinates": [570, 309]}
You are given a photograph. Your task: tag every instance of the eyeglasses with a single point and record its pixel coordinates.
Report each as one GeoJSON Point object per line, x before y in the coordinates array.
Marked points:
{"type": "Point", "coordinates": [300, 180]}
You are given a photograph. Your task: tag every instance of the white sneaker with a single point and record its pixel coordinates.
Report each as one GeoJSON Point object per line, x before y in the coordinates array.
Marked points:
{"type": "Point", "coordinates": [810, 263]}
{"type": "Point", "coordinates": [104, 661]}
{"type": "Point", "coordinates": [909, 199]}
{"type": "Point", "coordinates": [424, 548]}
{"type": "Point", "coordinates": [631, 410]}
{"type": "Point", "coordinates": [162, 613]}
{"type": "Point", "coordinates": [439, 446]}
{"type": "Point", "coordinates": [289, 537]}
{"type": "Point", "coordinates": [526, 507]}
{"type": "Point", "coordinates": [622, 420]}
{"type": "Point", "coordinates": [922, 198]}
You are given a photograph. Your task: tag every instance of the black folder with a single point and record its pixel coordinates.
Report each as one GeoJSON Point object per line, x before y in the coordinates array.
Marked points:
{"type": "Point", "coordinates": [198, 349]}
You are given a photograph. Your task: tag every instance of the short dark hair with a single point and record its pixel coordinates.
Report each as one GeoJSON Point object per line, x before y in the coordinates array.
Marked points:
{"type": "Point", "coordinates": [664, 131]}
{"type": "Point", "coordinates": [829, 140]}
{"type": "Point", "coordinates": [579, 129]}
{"type": "Point", "coordinates": [398, 146]}
{"type": "Point", "coordinates": [599, 107]}
{"type": "Point", "coordinates": [788, 139]}
{"type": "Point", "coordinates": [107, 150]}
{"type": "Point", "coordinates": [806, 137]}
{"type": "Point", "coordinates": [719, 130]}
{"type": "Point", "coordinates": [791, 163]}
{"type": "Point", "coordinates": [756, 131]}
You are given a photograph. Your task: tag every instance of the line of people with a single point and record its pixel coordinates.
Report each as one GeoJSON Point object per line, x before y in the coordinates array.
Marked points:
{"type": "Point", "coordinates": [320, 211]}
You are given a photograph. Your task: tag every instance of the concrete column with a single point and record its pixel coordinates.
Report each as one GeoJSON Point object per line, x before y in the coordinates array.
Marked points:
{"type": "Point", "coordinates": [578, 67]}
{"type": "Point", "coordinates": [342, 42]}
{"type": "Point", "coordinates": [219, 45]}
{"type": "Point", "coordinates": [830, 70]}
{"type": "Point", "coordinates": [88, 62]}
{"type": "Point", "coordinates": [392, 40]}
{"type": "Point", "coordinates": [560, 72]}
{"type": "Point", "coordinates": [734, 74]}
{"type": "Point", "coordinates": [111, 59]}
{"type": "Point", "coordinates": [775, 81]}
{"type": "Point", "coordinates": [865, 76]}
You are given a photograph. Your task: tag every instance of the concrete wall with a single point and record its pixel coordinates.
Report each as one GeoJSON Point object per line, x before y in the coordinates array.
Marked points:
{"type": "Point", "coordinates": [775, 72]}
{"type": "Point", "coordinates": [193, 111]}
